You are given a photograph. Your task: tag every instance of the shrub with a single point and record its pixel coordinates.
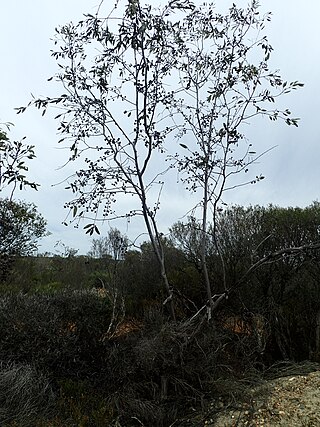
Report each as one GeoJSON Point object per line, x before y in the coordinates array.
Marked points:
{"type": "Point", "coordinates": [25, 394]}
{"type": "Point", "coordinates": [155, 374]}
{"type": "Point", "coordinates": [61, 332]}
{"type": "Point", "coordinates": [49, 288]}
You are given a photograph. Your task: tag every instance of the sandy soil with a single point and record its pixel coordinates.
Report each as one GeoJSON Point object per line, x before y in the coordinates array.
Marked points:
{"type": "Point", "coordinates": [290, 401]}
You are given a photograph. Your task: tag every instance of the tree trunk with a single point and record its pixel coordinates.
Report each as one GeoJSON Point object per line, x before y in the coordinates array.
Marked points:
{"type": "Point", "coordinates": [317, 348]}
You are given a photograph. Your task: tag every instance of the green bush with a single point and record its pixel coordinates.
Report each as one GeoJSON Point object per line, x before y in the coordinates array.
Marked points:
{"type": "Point", "coordinates": [49, 288]}
{"type": "Point", "coordinates": [98, 279]}
{"type": "Point", "coordinates": [60, 332]}
{"type": "Point", "coordinates": [28, 273]}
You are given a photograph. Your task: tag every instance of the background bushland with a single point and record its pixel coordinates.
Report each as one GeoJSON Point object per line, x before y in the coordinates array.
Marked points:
{"type": "Point", "coordinates": [96, 329]}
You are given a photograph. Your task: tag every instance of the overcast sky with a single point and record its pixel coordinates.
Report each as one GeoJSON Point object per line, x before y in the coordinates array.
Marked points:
{"type": "Point", "coordinates": [292, 169]}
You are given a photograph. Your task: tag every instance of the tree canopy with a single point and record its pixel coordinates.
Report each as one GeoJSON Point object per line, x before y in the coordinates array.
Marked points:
{"type": "Point", "coordinates": [113, 245]}
{"type": "Point", "coordinates": [21, 226]}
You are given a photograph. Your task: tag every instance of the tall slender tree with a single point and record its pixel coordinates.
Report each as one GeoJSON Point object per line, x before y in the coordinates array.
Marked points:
{"type": "Point", "coordinates": [131, 83]}
{"type": "Point", "coordinates": [224, 81]}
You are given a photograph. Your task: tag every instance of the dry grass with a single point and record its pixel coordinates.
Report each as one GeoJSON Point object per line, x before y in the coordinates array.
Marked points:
{"type": "Point", "coordinates": [25, 394]}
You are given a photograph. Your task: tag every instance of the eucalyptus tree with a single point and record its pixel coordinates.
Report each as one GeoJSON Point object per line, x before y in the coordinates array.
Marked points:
{"type": "Point", "coordinates": [224, 81]}
{"type": "Point", "coordinates": [113, 245]}
{"type": "Point", "coordinates": [133, 83]}
{"type": "Point", "coordinates": [113, 71]}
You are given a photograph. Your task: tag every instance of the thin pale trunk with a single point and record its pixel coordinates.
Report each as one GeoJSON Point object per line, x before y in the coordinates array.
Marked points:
{"type": "Point", "coordinates": [158, 250]}
{"type": "Point", "coordinates": [147, 215]}
{"type": "Point", "coordinates": [204, 238]}
{"type": "Point", "coordinates": [160, 255]}
{"type": "Point", "coordinates": [317, 350]}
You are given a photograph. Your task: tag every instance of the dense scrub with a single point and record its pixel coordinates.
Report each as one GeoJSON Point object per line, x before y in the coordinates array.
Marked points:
{"type": "Point", "coordinates": [151, 374]}
{"type": "Point", "coordinates": [59, 333]}
{"type": "Point", "coordinates": [96, 342]}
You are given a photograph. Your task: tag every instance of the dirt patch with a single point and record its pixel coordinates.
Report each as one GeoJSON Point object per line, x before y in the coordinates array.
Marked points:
{"type": "Point", "coordinates": [292, 400]}
{"type": "Point", "coordinates": [287, 395]}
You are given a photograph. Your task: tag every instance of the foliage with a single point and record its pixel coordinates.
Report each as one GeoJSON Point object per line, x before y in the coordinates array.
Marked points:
{"type": "Point", "coordinates": [13, 156]}
{"type": "Point", "coordinates": [151, 376]}
{"type": "Point", "coordinates": [35, 274]}
{"type": "Point", "coordinates": [20, 227]}
{"type": "Point", "coordinates": [281, 284]}
{"type": "Point", "coordinates": [61, 333]}
{"type": "Point", "coordinates": [268, 263]}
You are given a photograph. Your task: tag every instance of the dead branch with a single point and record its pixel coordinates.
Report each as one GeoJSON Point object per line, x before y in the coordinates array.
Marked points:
{"type": "Point", "coordinates": [272, 257]}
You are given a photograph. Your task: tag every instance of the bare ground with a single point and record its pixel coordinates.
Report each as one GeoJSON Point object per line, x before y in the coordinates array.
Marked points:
{"type": "Point", "coordinates": [290, 400]}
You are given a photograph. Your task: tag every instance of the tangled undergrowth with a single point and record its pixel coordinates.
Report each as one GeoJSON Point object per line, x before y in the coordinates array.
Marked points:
{"type": "Point", "coordinates": [65, 370]}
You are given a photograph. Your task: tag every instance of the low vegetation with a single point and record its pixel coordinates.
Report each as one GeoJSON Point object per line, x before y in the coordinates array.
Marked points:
{"type": "Point", "coordinates": [92, 340]}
